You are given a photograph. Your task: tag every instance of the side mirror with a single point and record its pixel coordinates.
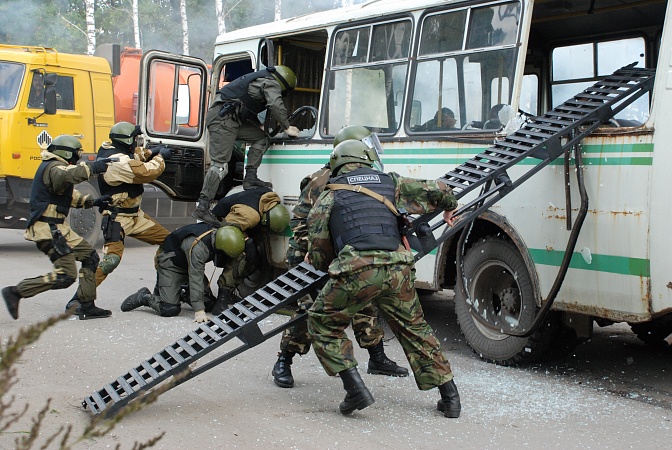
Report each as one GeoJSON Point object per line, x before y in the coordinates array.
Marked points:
{"type": "Point", "coordinates": [50, 100]}
{"type": "Point", "coordinates": [50, 79]}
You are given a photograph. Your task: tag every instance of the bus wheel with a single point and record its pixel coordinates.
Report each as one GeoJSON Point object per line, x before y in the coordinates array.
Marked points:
{"type": "Point", "coordinates": [499, 289]}
{"type": "Point", "coordinates": [86, 222]}
{"type": "Point", "coordinates": [652, 333]}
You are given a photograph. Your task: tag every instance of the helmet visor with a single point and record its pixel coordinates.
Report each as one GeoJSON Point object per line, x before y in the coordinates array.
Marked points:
{"type": "Point", "coordinates": [373, 143]}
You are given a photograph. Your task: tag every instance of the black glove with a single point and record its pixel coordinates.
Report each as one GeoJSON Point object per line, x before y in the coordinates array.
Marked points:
{"type": "Point", "coordinates": [165, 152]}
{"type": "Point", "coordinates": [102, 202]}
{"type": "Point", "coordinates": [100, 165]}
{"type": "Point", "coordinates": [251, 254]}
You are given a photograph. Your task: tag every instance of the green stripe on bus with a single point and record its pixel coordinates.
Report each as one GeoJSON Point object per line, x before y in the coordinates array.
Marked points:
{"type": "Point", "coordinates": [599, 263]}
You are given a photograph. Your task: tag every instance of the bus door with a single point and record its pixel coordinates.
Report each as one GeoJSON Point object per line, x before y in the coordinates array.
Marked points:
{"type": "Point", "coordinates": [172, 102]}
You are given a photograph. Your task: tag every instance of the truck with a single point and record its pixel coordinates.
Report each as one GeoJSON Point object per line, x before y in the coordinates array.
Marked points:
{"type": "Point", "coordinates": [45, 93]}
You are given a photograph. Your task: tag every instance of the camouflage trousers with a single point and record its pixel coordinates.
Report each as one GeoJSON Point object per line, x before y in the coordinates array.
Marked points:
{"type": "Point", "coordinates": [365, 326]}
{"type": "Point", "coordinates": [392, 289]}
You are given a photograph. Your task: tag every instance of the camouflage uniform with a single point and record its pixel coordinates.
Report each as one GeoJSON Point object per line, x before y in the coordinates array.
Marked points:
{"type": "Point", "coordinates": [59, 176]}
{"type": "Point", "coordinates": [365, 324]}
{"type": "Point", "coordinates": [358, 277]}
{"type": "Point", "coordinates": [130, 171]}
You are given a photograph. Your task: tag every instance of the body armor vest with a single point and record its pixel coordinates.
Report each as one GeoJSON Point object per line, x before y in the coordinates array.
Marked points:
{"type": "Point", "coordinates": [360, 220]}
{"type": "Point", "coordinates": [173, 242]}
{"type": "Point", "coordinates": [133, 190]}
{"type": "Point", "coordinates": [41, 196]}
{"type": "Point", "coordinates": [237, 90]}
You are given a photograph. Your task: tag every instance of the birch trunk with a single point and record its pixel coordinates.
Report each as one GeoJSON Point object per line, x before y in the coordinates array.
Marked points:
{"type": "Point", "coordinates": [185, 27]}
{"type": "Point", "coordinates": [90, 27]}
{"type": "Point", "coordinates": [136, 26]}
{"type": "Point", "coordinates": [278, 10]}
{"type": "Point", "coordinates": [221, 23]}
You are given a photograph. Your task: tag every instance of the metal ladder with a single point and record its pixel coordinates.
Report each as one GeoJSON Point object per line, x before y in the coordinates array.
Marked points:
{"type": "Point", "coordinates": [239, 321]}
{"type": "Point", "coordinates": [545, 137]}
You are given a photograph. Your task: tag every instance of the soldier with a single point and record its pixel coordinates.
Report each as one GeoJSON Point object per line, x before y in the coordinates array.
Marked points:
{"type": "Point", "coordinates": [52, 195]}
{"type": "Point", "coordinates": [354, 235]}
{"type": "Point", "coordinates": [233, 116]}
{"type": "Point", "coordinates": [367, 330]}
{"type": "Point", "coordinates": [254, 212]}
{"type": "Point", "coordinates": [185, 253]}
{"type": "Point", "coordinates": [124, 181]}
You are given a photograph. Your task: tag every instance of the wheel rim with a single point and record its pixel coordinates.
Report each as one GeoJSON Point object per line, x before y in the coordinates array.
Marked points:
{"type": "Point", "coordinates": [495, 296]}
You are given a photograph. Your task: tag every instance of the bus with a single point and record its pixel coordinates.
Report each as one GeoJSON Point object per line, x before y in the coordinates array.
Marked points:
{"type": "Point", "coordinates": [439, 82]}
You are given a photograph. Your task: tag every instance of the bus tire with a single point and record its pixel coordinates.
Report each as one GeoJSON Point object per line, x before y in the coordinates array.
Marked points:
{"type": "Point", "coordinates": [501, 286]}
{"type": "Point", "coordinates": [86, 222]}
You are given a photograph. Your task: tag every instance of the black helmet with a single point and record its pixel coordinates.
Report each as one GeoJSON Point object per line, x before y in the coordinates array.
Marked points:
{"type": "Point", "coordinates": [123, 133]}
{"type": "Point", "coordinates": [67, 147]}
{"type": "Point", "coordinates": [351, 151]}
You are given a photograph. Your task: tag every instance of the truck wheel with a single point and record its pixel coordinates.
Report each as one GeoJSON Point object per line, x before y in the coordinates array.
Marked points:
{"type": "Point", "coordinates": [652, 333]}
{"type": "Point", "coordinates": [86, 222]}
{"type": "Point", "coordinates": [499, 289]}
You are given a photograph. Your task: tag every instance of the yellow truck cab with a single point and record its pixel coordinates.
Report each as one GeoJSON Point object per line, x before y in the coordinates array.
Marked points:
{"type": "Point", "coordinates": [44, 94]}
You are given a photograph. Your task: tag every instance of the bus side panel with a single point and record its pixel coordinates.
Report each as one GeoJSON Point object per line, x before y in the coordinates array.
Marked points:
{"type": "Point", "coordinates": [661, 212]}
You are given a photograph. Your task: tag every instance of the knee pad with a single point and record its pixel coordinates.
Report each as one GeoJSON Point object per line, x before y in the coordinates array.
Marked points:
{"type": "Point", "coordinates": [109, 263]}
{"type": "Point", "coordinates": [63, 281]}
{"type": "Point", "coordinates": [91, 262]}
{"type": "Point", "coordinates": [169, 310]}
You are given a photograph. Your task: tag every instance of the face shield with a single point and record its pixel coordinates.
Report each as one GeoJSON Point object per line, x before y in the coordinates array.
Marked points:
{"type": "Point", "coordinates": [373, 143]}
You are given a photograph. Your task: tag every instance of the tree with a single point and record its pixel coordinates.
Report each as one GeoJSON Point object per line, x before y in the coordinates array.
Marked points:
{"type": "Point", "coordinates": [185, 27]}
{"type": "Point", "coordinates": [221, 23]}
{"type": "Point", "coordinates": [89, 6]}
{"type": "Point", "coordinates": [278, 10]}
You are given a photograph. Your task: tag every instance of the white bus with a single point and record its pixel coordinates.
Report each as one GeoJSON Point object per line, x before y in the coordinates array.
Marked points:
{"type": "Point", "coordinates": [392, 66]}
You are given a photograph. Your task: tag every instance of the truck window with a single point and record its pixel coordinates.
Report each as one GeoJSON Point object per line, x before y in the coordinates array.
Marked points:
{"type": "Point", "coordinates": [36, 95]}
{"type": "Point", "coordinates": [11, 75]}
{"type": "Point", "coordinates": [65, 92]}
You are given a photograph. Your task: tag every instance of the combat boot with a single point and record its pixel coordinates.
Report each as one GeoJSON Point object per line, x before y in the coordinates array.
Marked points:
{"type": "Point", "coordinates": [12, 298]}
{"type": "Point", "coordinates": [88, 310]}
{"type": "Point", "coordinates": [251, 181]}
{"type": "Point", "coordinates": [282, 370]}
{"type": "Point", "coordinates": [140, 298]}
{"type": "Point", "coordinates": [73, 303]}
{"type": "Point", "coordinates": [225, 298]}
{"type": "Point", "coordinates": [450, 400]}
{"type": "Point", "coordinates": [380, 364]}
{"type": "Point", "coordinates": [203, 213]}
{"type": "Point", "coordinates": [358, 396]}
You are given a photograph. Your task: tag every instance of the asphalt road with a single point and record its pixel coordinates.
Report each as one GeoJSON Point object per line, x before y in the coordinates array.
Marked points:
{"type": "Point", "coordinates": [612, 392]}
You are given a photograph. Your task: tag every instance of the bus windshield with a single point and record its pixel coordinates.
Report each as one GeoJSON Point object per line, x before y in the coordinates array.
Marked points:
{"type": "Point", "coordinates": [11, 75]}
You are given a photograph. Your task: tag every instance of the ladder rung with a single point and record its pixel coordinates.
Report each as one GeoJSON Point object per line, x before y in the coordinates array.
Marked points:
{"type": "Point", "coordinates": [150, 370]}
{"type": "Point", "coordinates": [279, 289]}
{"type": "Point", "coordinates": [199, 340]}
{"type": "Point", "coordinates": [183, 344]}
{"type": "Point", "coordinates": [210, 332]}
{"type": "Point", "coordinates": [260, 306]}
{"type": "Point", "coordinates": [125, 385]}
{"type": "Point", "coordinates": [112, 392]}
{"type": "Point", "coordinates": [291, 283]}
{"type": "Point", "coordinates": [162, 361]}
{"type": "Point", "coordinates": [223, 326]}
{"type": "Point", "coordinates": [229, 315]}
{"type": "Point", "coordinates": [137, 377]}
{"type": "Point", "coordinates": [245, 311]}
{"type": "Point", "coordinates": [100, 403]}
{"type": "Point", "coordinates": [173, 354]}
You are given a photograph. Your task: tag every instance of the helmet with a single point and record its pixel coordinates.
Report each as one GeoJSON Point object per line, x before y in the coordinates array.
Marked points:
{"type": "Point", "coordinates": [285, 76]}
{"type": "Point", "coordinates": [230, 240]}
{"type": "Point", "coordinates": [123, 132]}
{"type": "Point", "coordinates": [276, 218]}
{"type": "Point", "coordinates": [361, 133]}
{"type": "Point", "coordinates": [356, 132]}
{"type": "Point", "coordinates": [67, 147]}
{"type": "Point", "coordinates": [351, 152]}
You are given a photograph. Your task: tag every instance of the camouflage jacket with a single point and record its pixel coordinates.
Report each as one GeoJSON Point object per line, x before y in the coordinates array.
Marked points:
{"type": "Point", "coordinates": [414, 195]}
{"type": "Point", "coordinates": [311, 188]}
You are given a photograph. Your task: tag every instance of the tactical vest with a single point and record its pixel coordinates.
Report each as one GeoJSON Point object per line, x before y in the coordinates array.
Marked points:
{"type": "Point", "coordinates": [237, 90]}
{"type": "Point", "coordinates": [249, 197]}
{"type": "Point", "coordinates": [360, 220]}
{"type": "Point", "coordinates": [173, 242]}
{"type": "Point", "coordinates": [133, 190]}
{"type": "Point", "coordinates": [41, 196]}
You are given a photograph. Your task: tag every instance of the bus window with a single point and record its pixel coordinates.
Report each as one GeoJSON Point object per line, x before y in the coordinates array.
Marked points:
{"type": "Point", "coordinates": [577, 67]}
{"type": "Point", "coordinates": [529, 95]}
{"type": "Point", "coordinates": [370, 94]}
{"type": "Point", "coordinates": [450, 75]}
